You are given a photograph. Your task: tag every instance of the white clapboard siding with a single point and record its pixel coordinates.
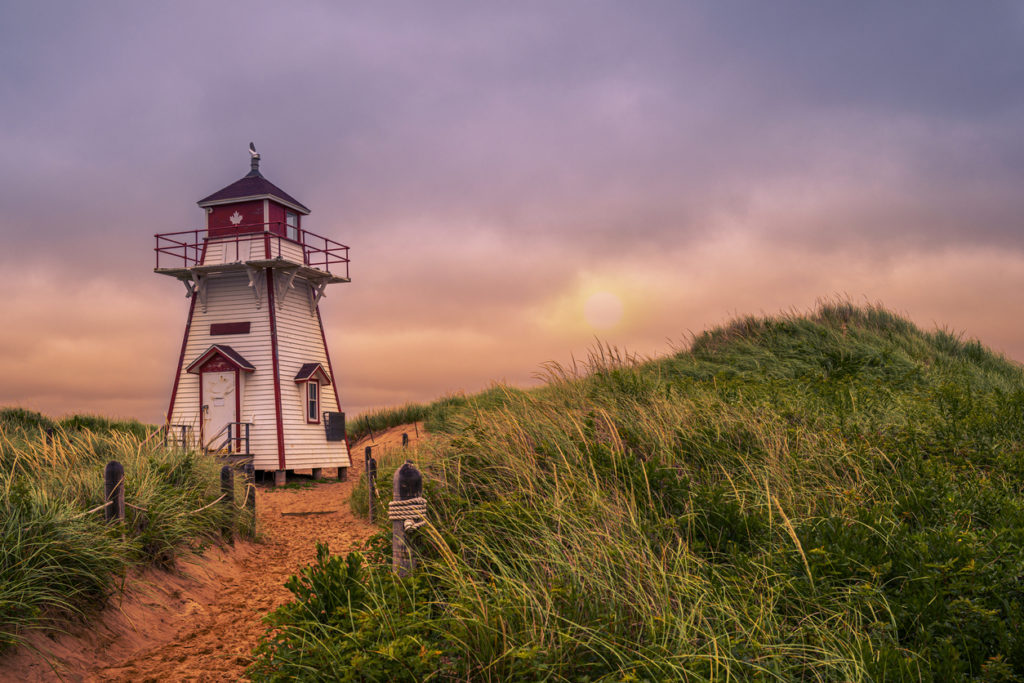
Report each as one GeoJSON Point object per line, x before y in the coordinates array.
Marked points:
{"type": "Point", "coordinates": [230, 299]}
{"type": "Point", "coordinates": [290, 251]}
{"type": "Point", "coordinates": [240, 250]}
{"type": "Point", "coordinates": [301, 342]}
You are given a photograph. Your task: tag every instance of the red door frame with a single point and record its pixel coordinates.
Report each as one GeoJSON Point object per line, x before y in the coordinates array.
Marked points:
{"type": "Point", "coordinates": [218, 364]}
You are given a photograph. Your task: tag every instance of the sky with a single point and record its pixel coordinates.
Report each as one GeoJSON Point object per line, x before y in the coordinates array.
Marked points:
{"type": "Point", "coordinates": [516, 181]}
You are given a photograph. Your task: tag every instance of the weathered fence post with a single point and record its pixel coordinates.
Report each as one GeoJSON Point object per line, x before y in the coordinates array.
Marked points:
{"type": "Point", "coordinates": [405, 440]}
{"type": "Point", "coordinates": [406, 485]}
{"type": "Point", "coordinates": [371, 476]}
{"type": "Point", "coordinates": [113, 491]}
{"type": "Point", "coordinates": [227, 489]}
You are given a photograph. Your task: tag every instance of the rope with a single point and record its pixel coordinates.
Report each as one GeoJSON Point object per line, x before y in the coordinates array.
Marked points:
{"type": "Point", "coordinates": [413, 511]}
{"type": "Point", "coordinates": [207, 506]}
{"type": "Point", "coordinates": [245, 499]}
{"type": "Point", "coordinates": [89, 512]}
{"type": "Point", "coordinates": [248, 487]}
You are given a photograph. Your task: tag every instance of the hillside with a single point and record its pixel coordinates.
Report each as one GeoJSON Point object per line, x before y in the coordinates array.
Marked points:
{"type": "Point", "coordinates": [835, 496]}
{"type": "Point", "coordinates": [60, 562]}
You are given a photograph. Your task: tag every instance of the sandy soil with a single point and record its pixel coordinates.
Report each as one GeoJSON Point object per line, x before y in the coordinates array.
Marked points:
{"type": "Point", "coordinates": [201, 623]}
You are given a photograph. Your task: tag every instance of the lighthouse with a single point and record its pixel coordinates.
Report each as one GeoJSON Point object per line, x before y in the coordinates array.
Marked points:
{"type": "Point", "coordinates": [254, 381]}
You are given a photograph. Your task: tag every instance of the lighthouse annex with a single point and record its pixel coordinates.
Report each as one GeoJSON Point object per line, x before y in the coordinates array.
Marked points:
{"type": "Point", "coordinates": [254, 380]}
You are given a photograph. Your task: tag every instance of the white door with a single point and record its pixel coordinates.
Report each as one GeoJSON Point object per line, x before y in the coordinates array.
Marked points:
{"type": "Point", "coordinates": [219, 405]}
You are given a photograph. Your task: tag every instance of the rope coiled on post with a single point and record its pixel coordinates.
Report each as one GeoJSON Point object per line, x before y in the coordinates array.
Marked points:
{"type": "Point", "coordinates": [413, 511]}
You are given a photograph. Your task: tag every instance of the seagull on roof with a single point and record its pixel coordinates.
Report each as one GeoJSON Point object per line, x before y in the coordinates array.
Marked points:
{"type": "Point", "coordinates": [252, 149]}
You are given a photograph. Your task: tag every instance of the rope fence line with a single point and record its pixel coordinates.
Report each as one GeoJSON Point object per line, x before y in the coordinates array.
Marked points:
{"type": "Point", "coordinates": [95, 509]}
{"type": "Point", "coordinates": [116, 505]}
{"type": "Point", "coordinates": [223, 496]}
{"type": "Point", "coordinates": [248, 488]}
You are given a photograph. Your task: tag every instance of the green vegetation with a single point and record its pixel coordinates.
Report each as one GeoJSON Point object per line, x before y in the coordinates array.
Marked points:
{"type": "Point", "coordinates": [385, 418]}
{"type": "Point", "coordinates": [833, 497]}
{"type": "Point", "coordinates": [57, 560]}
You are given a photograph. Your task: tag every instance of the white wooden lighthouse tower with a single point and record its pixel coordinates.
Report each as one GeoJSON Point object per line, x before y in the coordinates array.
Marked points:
{"type": "Point", "coordinates": [254, 378]}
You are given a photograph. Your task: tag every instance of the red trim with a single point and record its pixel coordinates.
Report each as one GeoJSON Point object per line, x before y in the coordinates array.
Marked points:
{"type": "Point", "coordinates": [202, 415]}
{"type": "Point", "coordinates": [318, 374]}
{"type": "Point", "coordinates": [220, 353]}
{"type": "Point", "coordinates": [334, 379]}
{"type": "Point", "coordinates": [218, 363]}
{"type": "Point", "coordinates": [238, 411]}
{"type": "Point", "coordinates": [181, 361]}
{"type": "Point", "coordinates": [184, 344]}
{"type": "Point", "coordinates": [229, 328]}
{"type": "Point", "coordinates": [277, 368]}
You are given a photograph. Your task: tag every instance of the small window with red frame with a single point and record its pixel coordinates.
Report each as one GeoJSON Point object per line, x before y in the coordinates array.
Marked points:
{"type": "Point", "coordinates": [312, 401]}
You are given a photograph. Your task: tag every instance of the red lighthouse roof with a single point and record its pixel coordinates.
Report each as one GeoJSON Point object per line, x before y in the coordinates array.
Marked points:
{"type": "Point", "coordinates": [252, 186]}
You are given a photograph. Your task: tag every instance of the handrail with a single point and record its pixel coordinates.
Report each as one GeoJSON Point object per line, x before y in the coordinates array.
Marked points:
{"type": "Point", "coordinates": [171, 434]}
{"type": "Point", "coordinates": [226, 443]}
{"type": "Point", "coordinates": [187, 248]}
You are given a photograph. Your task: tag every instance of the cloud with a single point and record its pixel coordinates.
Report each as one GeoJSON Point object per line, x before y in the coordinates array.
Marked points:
{"type": "Point", "coordinates": [491, 167]}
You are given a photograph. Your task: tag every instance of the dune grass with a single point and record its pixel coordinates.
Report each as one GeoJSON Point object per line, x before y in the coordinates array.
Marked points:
{"type": "Point", "coordinates": [831, 497]}
{"type": "Point", "coordinates": [57, 561]}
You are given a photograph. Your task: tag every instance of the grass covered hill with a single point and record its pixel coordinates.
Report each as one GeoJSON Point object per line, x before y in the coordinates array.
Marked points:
{"type": "Point", "coordinates": [60, 561]}
{"type": "Point", "coordinates": [835, 496]}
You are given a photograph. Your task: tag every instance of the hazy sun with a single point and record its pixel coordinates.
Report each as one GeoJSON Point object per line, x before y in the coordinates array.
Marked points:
{"type": "Point", "coordinates": [603, 310]}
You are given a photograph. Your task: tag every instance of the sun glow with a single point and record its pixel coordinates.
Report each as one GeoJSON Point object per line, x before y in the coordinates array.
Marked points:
{"type": "Point", "coordinates": [603, 310]}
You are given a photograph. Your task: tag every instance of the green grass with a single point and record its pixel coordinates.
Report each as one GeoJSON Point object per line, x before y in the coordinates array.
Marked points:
{"type": "Point", "coordinates": [56, 561]}
{"type": "Point", "coordinates": [385, 418]}
{"type": "Point", "coordinates": [831, 497]}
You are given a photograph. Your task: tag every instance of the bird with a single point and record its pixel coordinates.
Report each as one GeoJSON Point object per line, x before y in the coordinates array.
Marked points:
{"type": "Point", "coordinates": [252, 150]}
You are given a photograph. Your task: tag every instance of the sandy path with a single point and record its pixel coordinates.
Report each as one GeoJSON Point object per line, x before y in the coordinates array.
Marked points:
{"type": "Point", "coordinates": [215, 640]}
{"type": "Point", "coordinates": [204, 625]}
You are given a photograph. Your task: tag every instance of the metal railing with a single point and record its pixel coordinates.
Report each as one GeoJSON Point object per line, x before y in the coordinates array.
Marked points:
{"type": "Point", "coordinates": [235, 435]}
{"type": "Point", "coordinates": [187, 248]}
{"type": "Point", "coordinates": [177, 436]}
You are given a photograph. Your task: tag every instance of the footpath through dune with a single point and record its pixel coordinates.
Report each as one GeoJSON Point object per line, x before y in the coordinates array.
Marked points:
{"type": "Point", "coordinates": [203, 625]}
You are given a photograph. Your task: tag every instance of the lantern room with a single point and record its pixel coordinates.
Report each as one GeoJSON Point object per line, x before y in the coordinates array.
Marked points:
{"type": "Point", "coordinates": [253, 204]}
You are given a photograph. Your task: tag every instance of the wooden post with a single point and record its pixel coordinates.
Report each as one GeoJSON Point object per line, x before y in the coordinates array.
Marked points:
{"type": "Point", "coordinates": [227, 489]}
{"type": "Point", "coordinates": [113, 490]}
{"type": "Point", "coordinates": [407, 483]}
{"type": "Point", "coordinates": [371, 474]}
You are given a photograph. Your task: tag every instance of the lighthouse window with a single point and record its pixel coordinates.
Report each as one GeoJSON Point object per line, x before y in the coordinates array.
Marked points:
{"type": "Point", "coordinates": [292, 221]}
{"type": "Point", "coordinates": [312, 402]}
